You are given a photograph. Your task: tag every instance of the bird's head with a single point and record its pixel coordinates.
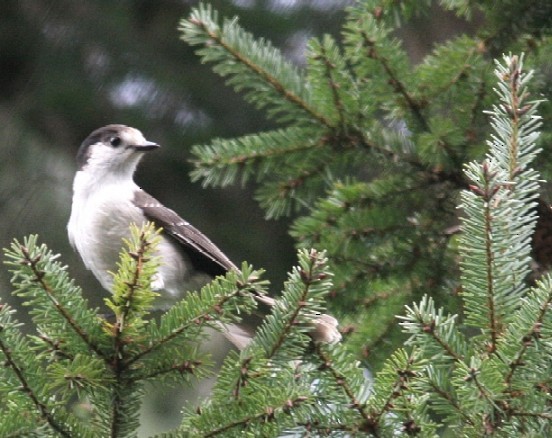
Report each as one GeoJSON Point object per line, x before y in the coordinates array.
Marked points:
{"type": "Point", "coordinates": [113, 150]}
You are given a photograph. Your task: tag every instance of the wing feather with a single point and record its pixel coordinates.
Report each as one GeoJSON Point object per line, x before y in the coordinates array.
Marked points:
{"type": "Point", "coordinates": [203, 254]}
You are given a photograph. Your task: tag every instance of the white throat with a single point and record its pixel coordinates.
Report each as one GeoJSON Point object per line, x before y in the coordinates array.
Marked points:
{"type": "Point", "coordinates": [89, 184]}
{"type": "Point", "coordinates": [101, 212]}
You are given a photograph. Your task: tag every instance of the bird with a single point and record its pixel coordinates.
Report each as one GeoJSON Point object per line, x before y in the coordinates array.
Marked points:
{"type": "Point", "coordinates": [106, 201]}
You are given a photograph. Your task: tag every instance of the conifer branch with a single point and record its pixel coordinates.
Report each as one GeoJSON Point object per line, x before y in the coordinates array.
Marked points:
{"type": "Point", "coordinates": [422, 320]}
{"type": "Point", "coordinates": [403, 371]}
{"type": "Point", "coordinates": [117, 413]}
{"type": "Point", "coordinates": [395, 82]}
{"type": "Point", "coordinates": [513, 109]}
{"type": "Point", "coordinates": [338, 103]}
{"type": "Point", "coordinates": [255, 155]}
{"type": "Point", "coordinates": [483, 392]}
{"type": "Point", "coordinates": [528, 341]}
{"type": "Point", "coordinates": [430, 330]}
{"type": "Point", "coordinates": [268, 414]}
{"type": "Point", "coordinates": [188, 366]}
{"type": "Point", "coordinates": [132, 287]}
{"type": "Point", "coordinates": [55, 347]}
{"type": "Point", "coordinates": [198, 320]}
{"type": "Point", "coordinates": [26, 388]}
{"type": "Point", "coordinates": [123, 303]}
{"type": "Point", "coordinates": [118, 402]}
{"type": "Point", "coordinates": [39, 278]}
{"type": "Point", "coordinates": [244, 375]}
{"type": "Point", "coordinates": [131, 300]}
{"type": "Point", "coordinates": [451, 401]}
{"type": "Point", "coordinates": [489, 253]}
{"type": "Point", "coordinates": [431, 176]}
{"type": "Point", "coordinates": [544, 415]}
{"type": "Point", "coordinates": [340, 380]}
{"type": "Point", "coordinates": [217, 37]}
{"type": "Point", "coordinates": [459, 76]}
{"type": "Point", "coordinates": [268, 78]}
{"type": "Point", "coordinates": [504, 184]}
{"type": "Point", "coordinates": [308, 277]}
{"type": "Point", "coordinates": [515, 22]}
{"type": "Point", "coordinates": [327, 429]}
{"type": "Point", "coordinates": [288, 186]}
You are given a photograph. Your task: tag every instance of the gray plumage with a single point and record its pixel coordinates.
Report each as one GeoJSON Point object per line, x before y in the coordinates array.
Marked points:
{"type": "Point", "coordinates": [106, 200]}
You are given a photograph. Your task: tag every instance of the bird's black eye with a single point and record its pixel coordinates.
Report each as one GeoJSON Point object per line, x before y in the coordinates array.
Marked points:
{"type": "Point", "coordinates": [115, 141]}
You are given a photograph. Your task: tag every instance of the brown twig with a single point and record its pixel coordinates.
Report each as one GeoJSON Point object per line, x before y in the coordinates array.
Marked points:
{"type": "Point", "coordinates": [26, 388]}
{"type": "Point", "coordinates": [39, 277]}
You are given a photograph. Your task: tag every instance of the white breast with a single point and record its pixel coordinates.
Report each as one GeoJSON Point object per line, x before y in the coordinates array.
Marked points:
{"type": "Point", "coordinates": [100, 219]}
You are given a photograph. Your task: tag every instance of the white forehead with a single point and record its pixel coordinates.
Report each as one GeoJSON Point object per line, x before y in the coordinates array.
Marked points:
{"type": "Point", "coordinates": [131, 135]}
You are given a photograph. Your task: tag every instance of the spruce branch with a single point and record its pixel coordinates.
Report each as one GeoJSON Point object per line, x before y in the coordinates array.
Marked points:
{"type": "Point", "coordinates": [327, 366]}
{"type": "Point", "coordinates": [243, 377]}
{"type": "Point", "coordinates": [459, 75]}
{"type": "Point", "coordinates": [39, 268]}
{"type": "Point", "coordinates": [484, 393]}
{"type": "Point", "coordinates": [237, 55]}
{"type": "Point", "coordinates": [501, 199]}
{"type": "Point", "coordinates": [281, 336]}
{"type": "Point", "coordinates": [213, 305]}
{"type": "Point", "coordinates": [260, 155]}
{"type": "Point", "coordinates": [528, 340]}
{"type": "Point", "coordinates": [542, 415]}
{"type": "Point", "coordinates": [124, 415]}
{"type": "Point", "coordinates": [268, 414]}
{"type": "Point", "coordinates": [184, 368]}
{"type": "Point", "coordinates": [271, 398]}
{"type": "Point", "coordinates": [487, 194]}
{"type": "Point", "coordinates": [515, 120]}
{"type": "Point", "coordinates": [394, 80]}
{"type": "Point", "coordinates": [55, 347]}
{"type": "Point", "coordinates": [394, 396]}
{"type": "Point", "coordinates": [334, 89]}
{"type": "Point", "coordinates": [132, 291]}
{"type": "Point", "coordinates": [131, 302]}
{"type": "Point", "coordinates": [490, 377]}
{"type": "Point", "coordinates": [42, 408]}
{"type": "Point", "coordinates": [447, 395]}
{"type": "Point", "coordinates": [520, 346]}
{"type": "Point", "coordinates": [22, 364]}
{"type": "Point", "coordinates": [423, 321]}
{"type": "Point", "coordinates": [368, 35]}
{"type": "Point", "coordinates": [330, 73]}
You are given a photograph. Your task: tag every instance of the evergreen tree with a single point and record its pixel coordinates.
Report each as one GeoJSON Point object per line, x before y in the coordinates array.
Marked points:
{"type": "Point", "coordinates": [369, 157]}
{"type": "Point", "coordinates": [382, 237]}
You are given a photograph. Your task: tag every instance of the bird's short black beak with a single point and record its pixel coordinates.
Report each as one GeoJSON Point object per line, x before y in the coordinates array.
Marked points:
{"type": "Point", "coordinates": [146, 146]}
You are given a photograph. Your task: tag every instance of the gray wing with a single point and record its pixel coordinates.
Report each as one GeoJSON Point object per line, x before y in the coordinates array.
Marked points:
{"type": "Point", "coordinates": [207, 257]}
{"type": "Point", "coordinates": [204, 255]}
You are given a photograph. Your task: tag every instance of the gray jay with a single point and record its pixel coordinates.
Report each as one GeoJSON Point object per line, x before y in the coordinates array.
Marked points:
{"type": "Point", "coordinates": [106, 200]}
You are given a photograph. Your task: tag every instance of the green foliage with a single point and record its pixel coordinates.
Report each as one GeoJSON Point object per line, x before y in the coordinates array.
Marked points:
{"type": "Point", "coordinates": [372, 153]}
{"type": "Point", "coordinates": [377, 184]}
{"type": "Point", "coordinates": [75, 352]}
{"type": "Point", "coordinates": [77, 355]}
{"type": "Point", "coordinates": [253, 67]}
{"type": "Point", "coordinates": [492, 381]}
{"type": "Point", "coordinates": [369, 153]}
{"type": "Point", "coordinates": [265, 389]}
